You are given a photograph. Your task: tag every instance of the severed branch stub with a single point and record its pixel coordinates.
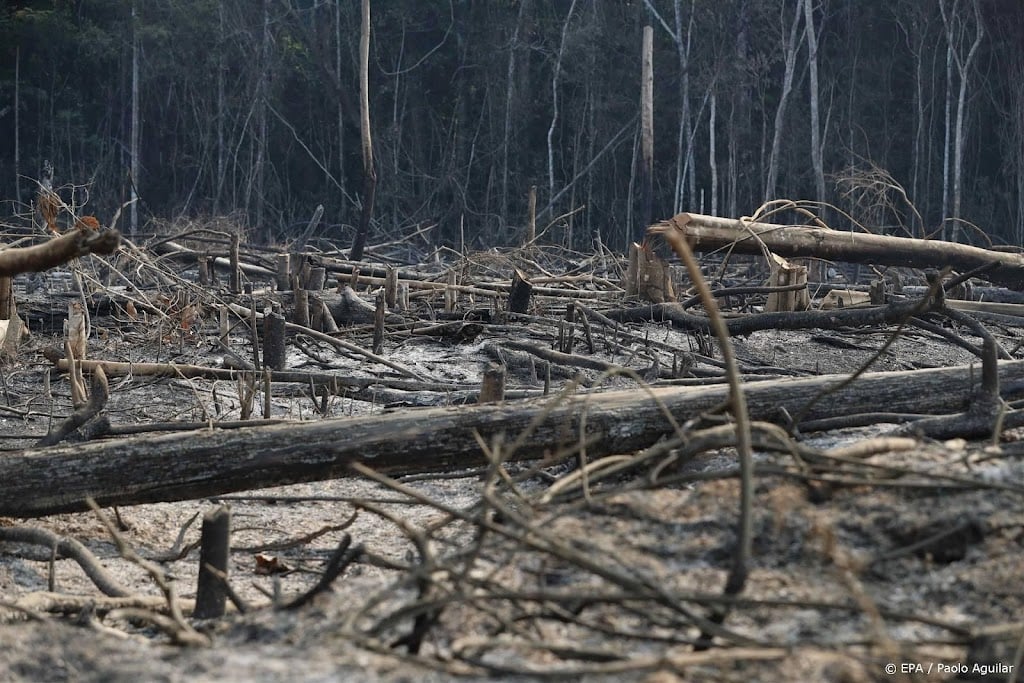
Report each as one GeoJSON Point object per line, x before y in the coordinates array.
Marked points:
{"type": "Point", "coordinates": [211, 590]}
{"type": "Point", "coordinates": [56, 251]}
{"type": "Point", "coordinates": [519, 295]}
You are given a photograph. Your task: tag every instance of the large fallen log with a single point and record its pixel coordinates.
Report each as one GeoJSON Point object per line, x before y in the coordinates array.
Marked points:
{"type": "Point", "coordinates": [178, 467]}
{"type": "Point", "coordinates": [708, 233]}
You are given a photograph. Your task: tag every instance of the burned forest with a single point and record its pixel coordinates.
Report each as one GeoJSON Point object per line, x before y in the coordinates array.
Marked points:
{"type": "Point", "coordinates": [646, 341]}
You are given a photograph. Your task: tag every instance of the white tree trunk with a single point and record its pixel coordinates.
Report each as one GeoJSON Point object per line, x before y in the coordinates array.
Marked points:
{"type": "Point", "coordinates": [732, 169]}
{"type": "Point", "coordinates": [712, 151]}
{"type": "Point", "coordinates": [791, 48]}
{"type": "Point", "coordinates": [554, 102]}
{"type": "Point", "coordinates": [817, 151]}
{"type": "Point", "coordinates": [647, 128]}
{"type": "Point", "coordinates": [684, 153]}
{"type": "Point", "coordinates": [963, 68]}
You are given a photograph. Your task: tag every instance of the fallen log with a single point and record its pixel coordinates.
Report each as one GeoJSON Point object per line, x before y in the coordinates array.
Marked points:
{"type": "Point", "coordinates": [169, 467]}
{"type": "Point", "coordinates": [708, 233]}
{"type": "Point", "coordinates": [181, 253]}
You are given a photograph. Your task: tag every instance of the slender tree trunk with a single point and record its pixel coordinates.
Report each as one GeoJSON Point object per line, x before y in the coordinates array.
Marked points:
{"type": "Point", "coordinates": [510, 81]}
{"type": "Point", "coordinates": [591, 148]}
{"type": "Point", "coordinates": [916, 40]}
{"type": "Point", "coordinates": [739, 109]}
{"type": "Point", "coordinates": [732, 170]}
{"type": "Point", "coordinates": [1016, 135]}
{"type": "Point", "coordinates": [554, 102]}
{"type": "Point", "coordinates": [684, 145]}
{"type": "Point", "coordinates": [791, 48]}
{"type": "Point", "coordinates": [647, 129]}
{"type": "Point", "coordinates": [629, 233]}
{"type": "Point", "coordinates": [963, 68]}
{"type": "Point", "coordinates": [712, 151]}
{"type": "Point", "coordinates": [369, 172]}
{"type": "Point", "coordinates": [221, 109]}
{"type": "Point", "coordinates": [17, 123]}
{"type": "Point", "coordinates": [948, 128]}
{"type": "Point", "coordinates": [817, 150]}
{"type": "Point", "coordinates": [261, 122]}
{"type": "Point", "coordinates": [341, 111]}
{"type": "Point", "coordinates": [133, 211]}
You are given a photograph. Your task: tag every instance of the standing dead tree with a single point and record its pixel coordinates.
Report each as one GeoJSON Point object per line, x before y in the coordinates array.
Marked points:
{"type": "Point", "coordinates": [369, 172]}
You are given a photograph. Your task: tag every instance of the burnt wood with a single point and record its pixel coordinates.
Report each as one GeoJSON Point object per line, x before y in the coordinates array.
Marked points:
{"type": "Point", "coordinates": [200, 464]}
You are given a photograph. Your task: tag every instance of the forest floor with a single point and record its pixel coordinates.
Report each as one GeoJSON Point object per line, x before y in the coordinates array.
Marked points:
{"type": "Point", "coordinates": [904, 555]}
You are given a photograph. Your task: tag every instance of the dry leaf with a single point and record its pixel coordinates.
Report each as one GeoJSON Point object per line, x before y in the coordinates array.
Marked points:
{"type": "Point", "coordinates": [270, 564]}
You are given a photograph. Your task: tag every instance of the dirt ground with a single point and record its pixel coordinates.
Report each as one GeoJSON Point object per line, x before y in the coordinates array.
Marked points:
{"type": "Point", "coordinates": [903, 556]}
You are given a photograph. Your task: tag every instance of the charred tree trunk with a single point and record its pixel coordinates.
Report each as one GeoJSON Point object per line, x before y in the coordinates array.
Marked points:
{"type": "Point", "coordinates": [209, 462]}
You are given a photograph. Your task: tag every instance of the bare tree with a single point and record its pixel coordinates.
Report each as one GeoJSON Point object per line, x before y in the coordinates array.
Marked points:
{"type": "Point", "coordinates": [817, 146]}
{"type": "Point", "coordinates": [685, 169]}
{"type": "Point", "coordinates": [791, 47]}
{"type": "Point", "coordinates": [133, 215]}
{"type": "Point", "coordinates": [554, 101]}
{"type": "Point", "coordinates": [513, 49]}
{"type": "Point", "coordinates": [369, 172]}
{"type": "Point", "coordinates": [340, 107]}
{"type": "Point", "coordinates": [712, 152]}
{"type": "Point", "coordinates": [17, 123]}
{"type": "Point", "coordinates": [221, 107]}
{"type": "Point", "coordinates": [647, 129]}
{"type": "Point", "coordinates": [956, 32]}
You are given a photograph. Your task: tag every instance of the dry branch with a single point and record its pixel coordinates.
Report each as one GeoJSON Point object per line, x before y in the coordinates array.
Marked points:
{"type": "Point", "coordinates": [56, 251]}
{"type": "Point", "coordinates": [338, 383]}
{"type": "Point", "coordinates": [175, 466]}
{"type": "Point", "coordinates": [707, 233]}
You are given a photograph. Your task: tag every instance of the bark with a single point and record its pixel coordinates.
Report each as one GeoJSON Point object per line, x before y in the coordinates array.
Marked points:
{"type": "Point", "coordinates": [963, 70]}
{"type": "Point", "coordinates": [134, 142]}
{"type": "Point", "coordinates": [207, 463]}
{"type": "Point", "coordinates": [263, 102]}
{"type": "Point", "coordinates": [684, 152]}
{"type": "Point", "coordinates": [792, 46]}
{"type": "Point", "coordinates": [340, 108]}
{"type": "Point", "coordinates": [709, 233]}
{"type": "Point", "coordinates": [554, 102]}
{"type": "Point", "coordinates": [531, 216]}
{"type": "Point", "coordinates": [8, 307]}
{"type": "Point", "coordinates": [945, 144]}
{"type": "Point", "coordinates": [647, 128]}
{"type": "Point", "coordinates": [817, 160]}
{"type": "Point", "coordinates": [214, 554]}
{"type": "Point", "coordinates": [17, 123]}
{"type": "Point", "coordinates": [510, 92]}
{"type": "Point", "coordinates": [369, 172]}
{"type": "Point", "coordinates": [221, 108]}
{"type": "Point", "coordinates": [712, 152]}
{"type": "Point", "coordinates": [56, 251]}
